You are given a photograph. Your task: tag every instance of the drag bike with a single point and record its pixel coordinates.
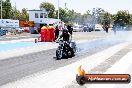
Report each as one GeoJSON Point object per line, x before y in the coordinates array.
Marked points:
{"type": "Point", "coordinates": [66, 49]}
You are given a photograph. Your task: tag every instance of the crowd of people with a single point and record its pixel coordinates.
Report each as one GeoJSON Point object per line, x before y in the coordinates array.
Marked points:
{"type": "Point", "coordinates": [50, 33]}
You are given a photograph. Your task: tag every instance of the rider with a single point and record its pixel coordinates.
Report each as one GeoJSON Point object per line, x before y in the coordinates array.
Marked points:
{"type": "Point", "coordinates": [65, 35]}
{"type": "Point", "coordinates": [65, 38]}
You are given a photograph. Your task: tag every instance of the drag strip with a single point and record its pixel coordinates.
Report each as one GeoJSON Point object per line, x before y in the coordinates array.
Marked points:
{"type": "Point", "coordinates": [15, 68]}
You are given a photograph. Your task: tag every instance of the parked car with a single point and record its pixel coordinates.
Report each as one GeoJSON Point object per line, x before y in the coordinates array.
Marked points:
{"type": "Point", "coordinates": [3, 31]}
{"type": "Point", "coordinates": [26, 29]}
{"type": "Point", "coordinates": [87, 29]}
{"type": "Point", "coordinates": [19, 30]}
{"type": "Point", "coordinates": [98, 27]}
{"type": "Point", "coordinates": [90, 26]}
{"type": "Point", "coordinates": [77, 28]}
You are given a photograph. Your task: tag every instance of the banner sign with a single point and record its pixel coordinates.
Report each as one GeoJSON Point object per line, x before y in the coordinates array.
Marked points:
{"type": "Point", "coordinates": [9, 23]}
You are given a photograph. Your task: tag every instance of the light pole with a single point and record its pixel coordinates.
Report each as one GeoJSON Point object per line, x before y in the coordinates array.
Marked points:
{"type": "Point", "coordinates": [15, 11]}
{"type": "Point", "coordinates": [58, 9]}
{"type": "Point", "coordinates": [1, 9]}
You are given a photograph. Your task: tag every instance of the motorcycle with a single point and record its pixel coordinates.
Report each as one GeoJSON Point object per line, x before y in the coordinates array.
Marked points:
{"type": "Point", "coordinates": [65, 49]}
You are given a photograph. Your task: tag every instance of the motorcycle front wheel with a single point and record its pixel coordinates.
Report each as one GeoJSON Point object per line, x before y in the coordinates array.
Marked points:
{"type": "Point", "coordinates": [59, 54]}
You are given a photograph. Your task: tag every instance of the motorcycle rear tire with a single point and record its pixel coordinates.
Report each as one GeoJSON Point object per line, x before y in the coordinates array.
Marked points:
{"type": "Point", "coordinates": [72, 53]}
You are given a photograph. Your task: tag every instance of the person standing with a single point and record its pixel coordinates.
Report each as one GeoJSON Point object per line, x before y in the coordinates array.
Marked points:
{"type": "Point", "coordinates": [114, 28]}
{"type": "Point", "coordinates": [56, 32]}
{"type": "Point", "coordinates": [70, 29]}
{"type": "Point", "coordinates": [52, 34]}
{"type": "Point", "coordinates": [106, 28]}
{"type": "Point", "coordinates": [45, 34]}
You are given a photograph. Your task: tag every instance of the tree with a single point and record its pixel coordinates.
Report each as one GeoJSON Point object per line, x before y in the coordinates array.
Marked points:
{"type": "Point", "coordinates": [62, 14]}
{"type": "Point", "coordinates": [77, 18]}
{"type": "Point", "coordinates": [49, 7]}
{"type": "Point", "coordinates": [13, 13]}
{"type": "Point", "coordinates": [70, 15]}
{"type": "Point", "coordinates": [6, 13]}
{"type": "Point", "coordinates": [88, 12]}
{"type": "Point", "coordinates": [24, 14]}
{"type": "Point", "coordinates": [107, 19]}
{"type": "Point", "coordinates": [85, 18]}
{"type": "Point", "coordinates": [130, 20]}
{"type": "Point", "coordinates": [122, 18]}
{"type": "Point", "coordinates": [18, 15]}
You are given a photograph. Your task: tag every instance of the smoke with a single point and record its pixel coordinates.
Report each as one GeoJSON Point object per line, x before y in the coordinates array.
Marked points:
{"type": "Point", "coordinates": [120, 34]}
{"type": "Point", "coordinates": [123, 35]}
{"type": "Point", "coordinates": [108, 40]}
{"type": "Point", "coordinates": [85, 19]}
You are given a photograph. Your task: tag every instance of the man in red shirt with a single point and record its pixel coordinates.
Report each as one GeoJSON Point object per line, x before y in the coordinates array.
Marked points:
{"type": "Point", "coordinates": [52, 34]}
{"type": "Point", "coordinates": [45, 34]}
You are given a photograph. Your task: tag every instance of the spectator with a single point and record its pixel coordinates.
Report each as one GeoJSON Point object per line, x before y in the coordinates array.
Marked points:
{"type": "Point", "coordinates": [70, 29]}
{"type": "Point", "coordinates": [56, 32]}
{"type": "Point", "coordinates": [45, 34]}
{"type": "Point", "coordinates": [106, 28]}
{"type": "Point", "coordinates": [52, 35]}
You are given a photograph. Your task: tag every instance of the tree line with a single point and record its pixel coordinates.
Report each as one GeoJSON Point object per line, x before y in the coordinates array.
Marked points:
{"type": "Point", "coordinates": [96, 15]}
{"type": "Point", "coordinates": [11, 12]}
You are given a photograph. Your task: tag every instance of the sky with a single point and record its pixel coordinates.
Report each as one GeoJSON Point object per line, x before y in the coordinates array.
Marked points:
{"type": "Point", "coordinates": [80, 6]}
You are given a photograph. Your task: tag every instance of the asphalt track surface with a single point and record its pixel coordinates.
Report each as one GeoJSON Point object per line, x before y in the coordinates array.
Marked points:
{"type": "Point", "coordinates": [12, 69]}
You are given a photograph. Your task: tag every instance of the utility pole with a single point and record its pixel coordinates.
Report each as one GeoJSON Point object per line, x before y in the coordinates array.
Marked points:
{"type": "Point", "coordinates": [58, 9]}
{"type": "Point", "coordinates": [1, 9]}
{"type": "Point", "coordinates": [15, 10]}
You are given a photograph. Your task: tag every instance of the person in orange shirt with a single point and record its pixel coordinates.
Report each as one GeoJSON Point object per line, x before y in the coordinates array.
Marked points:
{"type": "Point", "coordinates": [45, 34]}
{"type": "Point", "coordinates": [52, 34]}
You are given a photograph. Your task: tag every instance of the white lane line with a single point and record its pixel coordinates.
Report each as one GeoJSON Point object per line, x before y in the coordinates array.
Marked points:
{"type": "Point", "coordinates": [65, 75]}
{"type": "Point", "coordinates": [120, 67]}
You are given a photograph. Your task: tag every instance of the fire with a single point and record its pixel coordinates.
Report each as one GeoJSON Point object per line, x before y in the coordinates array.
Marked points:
{"type": "Point", "coordinates": [81, 71]}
